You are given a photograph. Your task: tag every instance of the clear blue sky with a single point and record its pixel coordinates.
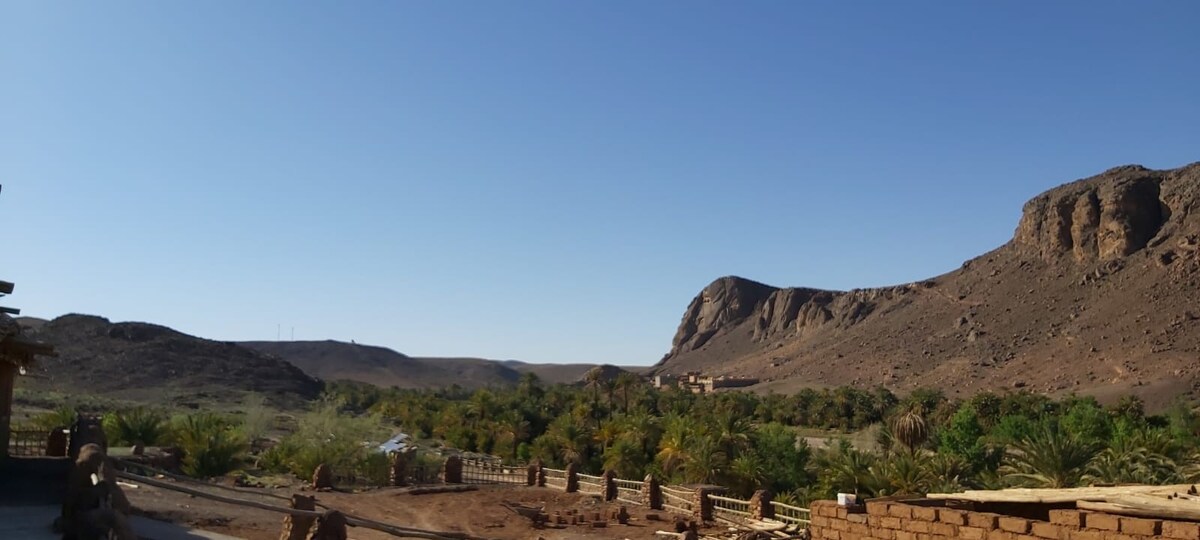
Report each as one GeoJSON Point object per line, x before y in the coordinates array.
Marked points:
{"type": "Point", "coordinates": [547, 181]}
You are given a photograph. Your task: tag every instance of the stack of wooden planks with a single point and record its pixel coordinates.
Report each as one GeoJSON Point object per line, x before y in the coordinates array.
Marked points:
{"type": "Point", "coordinates": [1180, 502]}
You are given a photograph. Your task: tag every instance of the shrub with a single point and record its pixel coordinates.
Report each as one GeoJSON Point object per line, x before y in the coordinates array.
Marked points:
{"type": "Point", "coordinates": [61, 417]}
{"type": "Point", "coordinates": [325, 436]}
{"type": "Point", "coordinates": [135, 426]}
{"type": "Point", "coordinates": [211, 445]}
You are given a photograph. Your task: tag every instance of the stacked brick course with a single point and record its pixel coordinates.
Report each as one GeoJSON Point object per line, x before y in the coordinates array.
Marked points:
{"type": "Point", "coordinates": [924, 520]}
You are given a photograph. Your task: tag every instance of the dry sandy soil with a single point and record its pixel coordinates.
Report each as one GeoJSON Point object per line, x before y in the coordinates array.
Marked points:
{"type": "Point", "coordinates": [475, 512]}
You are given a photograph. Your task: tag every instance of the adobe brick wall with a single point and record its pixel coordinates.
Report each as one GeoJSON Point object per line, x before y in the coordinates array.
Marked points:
{"type": "Point", "coordinates": [927, 520]}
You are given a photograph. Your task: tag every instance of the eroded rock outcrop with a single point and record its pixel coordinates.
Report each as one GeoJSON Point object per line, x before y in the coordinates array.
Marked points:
{"type": "Point", "coordinates": [1103, 218]}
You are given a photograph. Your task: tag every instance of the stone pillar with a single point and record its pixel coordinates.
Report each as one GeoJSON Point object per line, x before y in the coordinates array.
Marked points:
{"type": "Point", "coordinates": [322, 477]}
{"type": "Point", "coordinates": [331, 526]}
{"type": "Point", "coordinates": [572, 478]}
{"type": "Point", "coordinates": [56, 443]}
{"type": "Point", "coordinates": [398, 472]}
{"type": "Point", "coordinates": [297, 527]}
{"type": "Point", "coordinates": [760, 505]}
{"type": "Point", "coordinates": [452, 470]}
{"type": "Point", "coordinates": [702, 504]}
{"type": "Point", "coordinates": [541, 475]}
{"type": "Point", "coordinates": [531, 473]}
{"type": "Point", "coordinates": [652, 493]}
{"type": "Point", "coordinates": [608, 480]}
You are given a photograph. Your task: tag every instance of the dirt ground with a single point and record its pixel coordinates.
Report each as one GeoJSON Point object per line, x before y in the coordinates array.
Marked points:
{"type": "Point", "coordinates": [475, 512]}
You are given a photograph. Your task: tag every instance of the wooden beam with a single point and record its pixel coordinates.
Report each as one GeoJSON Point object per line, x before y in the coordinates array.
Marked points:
{"type": "Point", "coordinates": [6, 287]}
{"type": "Point", "coordinates": [10, 310]}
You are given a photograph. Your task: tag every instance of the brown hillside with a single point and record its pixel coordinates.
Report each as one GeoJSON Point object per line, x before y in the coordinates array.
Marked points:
{"type": "Point", "coordinates": [332, 360]}
{"type": "Point", "coordinates": [146, 362]}
{"type": "Point", "coordinates": [1096, 293]}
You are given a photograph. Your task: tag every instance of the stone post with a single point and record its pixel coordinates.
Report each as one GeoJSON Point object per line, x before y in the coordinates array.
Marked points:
{"type": "Point", "coordinates": [541, 474]}
{"type": "Point", "coordinates": [452, 470]}
{"type": "Point", "coordinates": [760, 505]}
{"type": "Point", "coordinates": [531, 472]}
{"type": "Point", "coordinates": [652, 492]}
{"type": "Point", "coordinates": [398, 472]}
{"type": "Point", "coordinates": [56, 443]}
{"type": "Point", "coordinates": [702, 504]}
{"type": "Point", "coordinates": [331, 526]}
{"type": "Point", "coordinates": [297, 527]}
{"type": "Point", "coordinates": [572, 478]}
{"type": "Point", "coordinates": [322, 477]}
{"type": "Point", "coordinates": [608, 482]}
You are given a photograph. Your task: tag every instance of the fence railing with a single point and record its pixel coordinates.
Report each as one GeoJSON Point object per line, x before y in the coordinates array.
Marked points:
{"type": "Point", "coordinates": [27, 442]}
{"type": "Point", "coordinates": [629, 491]}
{"type": "Point", "coordinates": [730, 509]}
{"type": "Point", "coordinates": [492, 472]}
{"type": "Point", "coordinates": [678, 499]}
{"type": "Point", "coordinates": [555, 478]}
{"type": "Point", "coordinates": [590, 485]}
{"type": "Point", "coordinates": [794, 515]}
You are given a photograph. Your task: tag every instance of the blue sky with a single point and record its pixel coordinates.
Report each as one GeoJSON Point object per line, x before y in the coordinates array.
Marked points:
{"type": "Point", "coordinates": [547, 181]}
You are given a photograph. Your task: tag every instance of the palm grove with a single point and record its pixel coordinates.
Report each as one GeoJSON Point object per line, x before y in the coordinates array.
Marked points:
{"type": "Point", "coordinates": [872, 442]}
{"type": "Point", "coordinates": [923, 443]}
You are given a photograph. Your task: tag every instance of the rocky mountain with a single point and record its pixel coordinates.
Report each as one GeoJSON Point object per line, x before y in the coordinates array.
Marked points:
{"type": "Point", "coordinates": [1098, 292]}
{"type": "Point", "coordinates": [331, 360]}
{"type": "Point", "coordinates": [146, 362]}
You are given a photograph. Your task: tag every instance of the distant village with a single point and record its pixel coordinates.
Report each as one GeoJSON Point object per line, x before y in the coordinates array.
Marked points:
{"type": "Point", "coordinates": [697, 383]}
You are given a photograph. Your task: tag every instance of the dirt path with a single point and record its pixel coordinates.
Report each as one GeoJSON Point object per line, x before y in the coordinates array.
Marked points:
{"type": "Point", "coordinates": [475, 512]}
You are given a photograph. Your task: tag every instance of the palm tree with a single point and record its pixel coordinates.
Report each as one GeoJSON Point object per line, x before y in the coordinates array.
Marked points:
{"type": "Point", "coordinates": [704, 461]}
{"type": "Point", "coordinates": [673, 447]}
{"type": "Point", "coordinates": [1139, 458]}
{"type": "Point", "coordinates": [948, 473]}
{"type": "Point", "coordinates": [733, 433]}
{"type": "Point", "coordinates": [902, 474]}
{"type": "Point", "coordinates": [1048, 457]}
{"type": "Point", "coordinates": [625, 458]}
{"type": "Point", "coordinates": [842, 468]}
{"type": "Point", "coordinates": [514, 425]}
{"type": "Point", "coordinates": [625, 382]}
{"type": "Point", "coordinates": [481, 406]}
{"type": "Point", "coordinates": [910, 429]}
{"type": "Point", "coordinates": [571, 439]}
{"type": "Point", "coordinates": [748, 472]}
{"type": "Point", "coordinates": [609, 432]}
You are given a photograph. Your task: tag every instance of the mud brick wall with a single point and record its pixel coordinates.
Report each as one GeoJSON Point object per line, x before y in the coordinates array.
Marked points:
{"type": "Point", "coordinates": [918, 521]}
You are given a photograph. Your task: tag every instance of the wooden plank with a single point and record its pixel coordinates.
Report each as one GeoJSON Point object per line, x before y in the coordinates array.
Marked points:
{"type": "Point", "coordinates": [1159, 511]}
{"type": "Point", "coordinates": [1049, 496]}
{"type": "Point", "coordinates": [10, 310]}
{"type": "Point", "coordinates": [6, 287]}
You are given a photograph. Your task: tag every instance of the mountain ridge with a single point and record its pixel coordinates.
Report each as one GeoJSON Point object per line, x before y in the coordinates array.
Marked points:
{"type": "Point", "coordinates": [1096, 283]}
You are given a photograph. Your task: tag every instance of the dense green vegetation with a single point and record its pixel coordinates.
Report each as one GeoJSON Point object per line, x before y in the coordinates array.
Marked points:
{"type": "Point", "coordinates": [922, 443]}
{"type": "Point", "coordinates": [925, 442]}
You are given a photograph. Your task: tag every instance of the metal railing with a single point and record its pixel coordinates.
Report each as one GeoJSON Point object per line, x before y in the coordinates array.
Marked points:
{"type": "Point", "coordinates": [792, 514]}
{"type": "Point", "coordinates": [590, 485]}
{"type": "Point", "coordinates": [555, 478]}
{"type": "Point", "coordinates": [678, 499]}
{"type": "Point", "coordinates": [730, 509]}
{"type": "Point", "coordinates": [493, 472]}
{"type": "Point", "coordinates": [629, 491]}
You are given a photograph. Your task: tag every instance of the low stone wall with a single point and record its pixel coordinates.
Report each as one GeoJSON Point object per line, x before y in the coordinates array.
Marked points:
{"type": "Point", "coordinates": [929, 520]}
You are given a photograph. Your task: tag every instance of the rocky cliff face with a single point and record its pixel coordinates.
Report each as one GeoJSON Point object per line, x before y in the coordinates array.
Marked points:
{"type": "Point", "coordinates": [1092, 270]}
{"type": "Point", "coordinates": [1103, 218]}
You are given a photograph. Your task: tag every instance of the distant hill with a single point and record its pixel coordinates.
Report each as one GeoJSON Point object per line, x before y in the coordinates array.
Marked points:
{"type": "Point", "coordinates": [147, 362]}
{"type": "Point", "coordinates": [332, 360]}
{"type": "Point", "coordinates": [1098, 292]}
